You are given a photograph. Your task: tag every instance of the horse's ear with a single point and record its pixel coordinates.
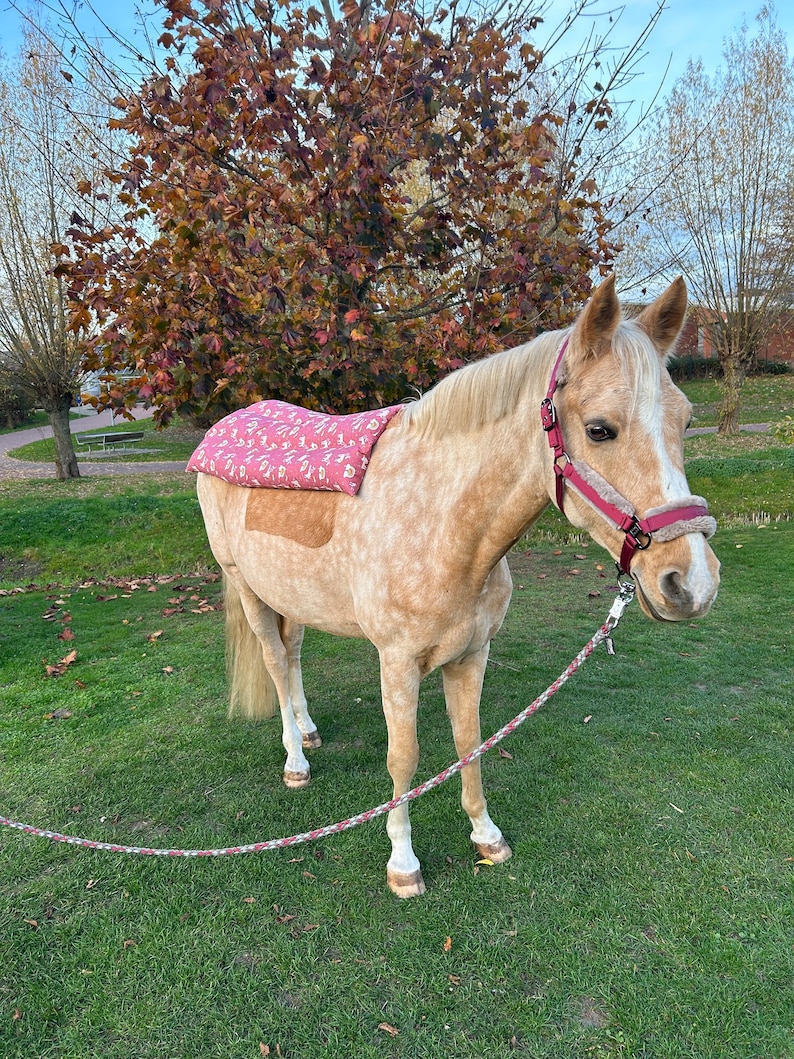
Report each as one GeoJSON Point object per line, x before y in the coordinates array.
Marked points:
{"type": "Point", "coordinates": [664, 318]}
{"type": "Point", "coordinates": [593, 330]}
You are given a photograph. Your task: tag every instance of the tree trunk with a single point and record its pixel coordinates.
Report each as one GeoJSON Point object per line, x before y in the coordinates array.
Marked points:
{"type": "Point", "coordinates": [733, 375]}
{"type": "Point", "coordinates": [65, 457]}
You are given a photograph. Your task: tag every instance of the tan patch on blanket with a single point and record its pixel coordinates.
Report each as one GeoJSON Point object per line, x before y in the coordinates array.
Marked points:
{"type": "Point", "coordinates": [305, 516]}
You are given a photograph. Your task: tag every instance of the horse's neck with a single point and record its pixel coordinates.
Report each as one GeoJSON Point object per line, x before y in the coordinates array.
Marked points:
{"type": "Point", "coordinates": [514, 492]}
{"type": "Point", "coordinates": [491, 482]}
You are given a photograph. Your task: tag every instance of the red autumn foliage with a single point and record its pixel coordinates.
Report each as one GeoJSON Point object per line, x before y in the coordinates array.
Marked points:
{"type": "Point", "coordinates": [330, 209]}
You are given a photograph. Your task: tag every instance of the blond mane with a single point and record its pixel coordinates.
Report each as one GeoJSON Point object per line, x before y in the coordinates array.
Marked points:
{"type": "Point", "coordinates": [487, 390]}
{"type": "Point", "coordinates": [481, 393]}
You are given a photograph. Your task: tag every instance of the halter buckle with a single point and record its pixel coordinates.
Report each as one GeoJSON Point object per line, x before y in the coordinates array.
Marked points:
{"type": "Point", "coordinates": [548, 414]}
{"type": "Point", "coordinates": [642, 538]}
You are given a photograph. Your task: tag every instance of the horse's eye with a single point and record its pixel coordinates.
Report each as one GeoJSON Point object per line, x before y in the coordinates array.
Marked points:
{"type": "Point", "coordinates": [600, 432]}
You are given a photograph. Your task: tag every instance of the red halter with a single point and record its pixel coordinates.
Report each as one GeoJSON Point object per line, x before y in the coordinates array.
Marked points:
{"type": "Point", "coordinates": [686, 516]}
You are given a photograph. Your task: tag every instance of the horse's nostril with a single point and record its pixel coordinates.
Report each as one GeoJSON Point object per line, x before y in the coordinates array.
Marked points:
{"type": "Point", "coordinates": [673, 587]}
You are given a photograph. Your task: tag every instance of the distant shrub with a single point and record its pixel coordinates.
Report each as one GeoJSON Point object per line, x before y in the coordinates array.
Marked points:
{"type": "Point", "coordinates": [15, 408]}
{"type": "Point", "coordinates": [773, 367]}
{"type": "Point", "coordinates": [683, 369]}
{"type": "Point", "coordinates": [784, 430]}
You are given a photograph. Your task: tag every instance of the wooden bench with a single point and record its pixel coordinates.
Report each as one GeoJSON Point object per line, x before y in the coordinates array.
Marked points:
{"type": "Point", "coordinates": [110, 441]}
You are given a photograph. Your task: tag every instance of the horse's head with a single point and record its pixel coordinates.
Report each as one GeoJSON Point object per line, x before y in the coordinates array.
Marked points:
{"type": "Point", "coordinates": [623, 423]}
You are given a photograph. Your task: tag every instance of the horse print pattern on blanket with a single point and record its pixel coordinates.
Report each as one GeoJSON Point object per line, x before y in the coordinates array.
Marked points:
{"type": "Point", "coordinates": [280, 446]}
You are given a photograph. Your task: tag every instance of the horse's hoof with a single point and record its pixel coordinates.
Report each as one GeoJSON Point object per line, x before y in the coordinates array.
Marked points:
{"type": "Point", "coordinates": [294, 780]}
{"type": "Point", "coordinates": [495, 852]}
{"type": "Point", "coordinates": [406, 884]}
{"type": "Point", "coordinates": [311, 740]}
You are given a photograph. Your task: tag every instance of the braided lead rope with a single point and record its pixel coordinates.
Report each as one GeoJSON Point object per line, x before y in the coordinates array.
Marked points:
{"type": "Point", "coordinates": [626, 594]}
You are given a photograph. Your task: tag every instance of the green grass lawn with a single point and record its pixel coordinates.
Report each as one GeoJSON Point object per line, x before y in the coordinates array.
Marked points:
{"type": "Point", "coordinates": [647, 910]}
{"type": "Point", "coordinates": [765, 399]}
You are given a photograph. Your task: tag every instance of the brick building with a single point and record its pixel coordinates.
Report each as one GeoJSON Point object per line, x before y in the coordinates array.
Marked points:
{"type": "Point", "coordinates": [694, 340]}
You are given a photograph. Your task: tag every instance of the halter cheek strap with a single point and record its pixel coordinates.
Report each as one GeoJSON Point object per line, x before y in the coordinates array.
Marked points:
{"type": "Point", "coordinates": [688, 515]}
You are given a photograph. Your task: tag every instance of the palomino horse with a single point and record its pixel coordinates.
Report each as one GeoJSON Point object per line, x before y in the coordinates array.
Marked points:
{"type": "Point", "coordinates": [415, 561]}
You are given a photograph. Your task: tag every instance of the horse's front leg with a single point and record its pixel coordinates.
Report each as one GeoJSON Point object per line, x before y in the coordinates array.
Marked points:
{"type": "Point", "coordinates": [462, 689]}
{"type": "Point", "coordinates": [400, 693]}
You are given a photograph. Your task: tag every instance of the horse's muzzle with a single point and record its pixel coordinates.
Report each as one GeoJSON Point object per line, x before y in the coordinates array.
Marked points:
{"type": "Point", "coordinates": [672, 589]}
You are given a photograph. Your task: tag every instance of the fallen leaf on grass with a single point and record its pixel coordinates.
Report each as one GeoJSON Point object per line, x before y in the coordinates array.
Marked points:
{"type": "Point", "coordinates": [66, 634]}
{"type": "Point", "coordinates": [391, 1030]}
{"type": "Point", "coordinates": [153, 637]}
{"type": "Point", "coordinates": [448, 945]}
{"type": "Point", "coordinates": [58, 715]}
{"type": "Point", "coordinates": [505, 753]}
{"type": "Point", "coordinates": [59, 668]}
{"type": "Point", "coordinates": [485, 860]}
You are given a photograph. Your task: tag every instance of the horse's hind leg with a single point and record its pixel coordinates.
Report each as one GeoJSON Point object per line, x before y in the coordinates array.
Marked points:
{"type": "Point", "coordinates": [292, 638]}
{"type": "Point", "coordinates": [462, 689]}
{"type": "Point", "coordinates": [265, 623]}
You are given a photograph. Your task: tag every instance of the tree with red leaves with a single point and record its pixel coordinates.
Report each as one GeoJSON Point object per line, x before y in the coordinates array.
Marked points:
{"type": "Point", "coordinates": [331, 207]}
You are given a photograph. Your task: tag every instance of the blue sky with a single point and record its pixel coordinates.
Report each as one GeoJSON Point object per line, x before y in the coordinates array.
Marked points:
{"type": "Point", "coordinates": [119, 15]}
{"type": "Point", "coordinates": [687, 29]}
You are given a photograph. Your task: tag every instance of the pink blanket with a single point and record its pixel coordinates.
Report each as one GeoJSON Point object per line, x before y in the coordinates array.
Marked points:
{"type": "Point", "coordinates": [282, 446]}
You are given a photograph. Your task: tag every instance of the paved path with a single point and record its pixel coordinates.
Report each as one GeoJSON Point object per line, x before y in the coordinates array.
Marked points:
{"type": "Point", "coordinates": [89, 420]}
{"type": "Point", "coordinates": [753, 428]}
